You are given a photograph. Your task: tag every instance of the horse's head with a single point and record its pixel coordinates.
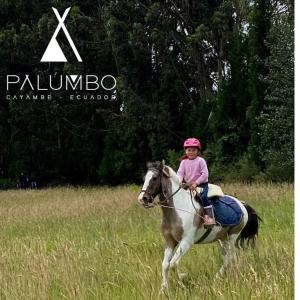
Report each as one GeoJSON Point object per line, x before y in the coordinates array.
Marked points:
{"type": "Point", "coordinates": [154, 183]}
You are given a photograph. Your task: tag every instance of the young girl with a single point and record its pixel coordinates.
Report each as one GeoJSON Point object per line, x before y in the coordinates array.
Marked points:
{"type": "Point", "coordinates": [193, 170]}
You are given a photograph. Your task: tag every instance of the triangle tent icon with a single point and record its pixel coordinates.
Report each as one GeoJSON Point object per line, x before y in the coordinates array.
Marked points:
{"type": "Point", "coordinates": [74, 77]}
{"type": "Point", "coordinates": [53, 53]}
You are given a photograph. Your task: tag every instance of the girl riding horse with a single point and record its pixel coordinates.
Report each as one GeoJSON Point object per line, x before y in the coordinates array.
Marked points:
{"type": "Point", "coordinates": [193, 170]}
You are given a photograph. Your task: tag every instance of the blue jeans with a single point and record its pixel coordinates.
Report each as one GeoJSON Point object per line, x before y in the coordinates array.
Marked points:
{"type": "Point", "coordinates": [204, 198]}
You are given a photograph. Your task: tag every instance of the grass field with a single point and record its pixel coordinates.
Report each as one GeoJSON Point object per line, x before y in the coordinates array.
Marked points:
{"type": "Point", "coordinates": [98, 243]}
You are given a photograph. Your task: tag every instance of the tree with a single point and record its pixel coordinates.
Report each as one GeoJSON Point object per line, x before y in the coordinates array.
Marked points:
{"type": "Point", "coordinates": [259, 51]}
{"type": "Point", "coordinates": [276, 121]}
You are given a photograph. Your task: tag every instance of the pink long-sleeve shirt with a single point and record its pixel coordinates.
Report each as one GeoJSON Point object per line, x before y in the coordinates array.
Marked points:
{"type": "Point", "coordinates": [193, 170]}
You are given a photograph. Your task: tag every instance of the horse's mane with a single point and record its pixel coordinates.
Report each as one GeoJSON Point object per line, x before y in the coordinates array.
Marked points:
{"type": "Point", "coordinates": [172, 174]}
{"type": "Point", "coordinates": [157, 165]}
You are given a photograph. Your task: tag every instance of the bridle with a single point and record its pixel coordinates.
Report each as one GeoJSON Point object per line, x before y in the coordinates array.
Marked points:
{"type": "Point", "coordinates": [151, 197]}
{"type": "Point", "coordinates": [165, 197]}
{"type": "Point", "coordinates": [165, 203]}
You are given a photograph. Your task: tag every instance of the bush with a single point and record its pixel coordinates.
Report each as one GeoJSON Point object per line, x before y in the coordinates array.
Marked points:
{"type": "Point", "coordinates": [244, 170]}
{"type": "Point", "coordinates": [173, 159]}
{"type": "Point", "coordinates": [280, 171]}
{"type": "Point", "coordinates": [217, 172]}
{"type": "Point", "coordinates": [6, 183]}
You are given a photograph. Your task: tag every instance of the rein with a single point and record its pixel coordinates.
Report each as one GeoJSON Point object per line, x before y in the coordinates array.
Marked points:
{"type": "Point", "coordinates": [187, 211]}
{"type": "Point", "coordinates": [192, 201]}
{"type": "Point", "coordinates": [173, 207]}
{"type": "Point", "coordinates": [167, 198]}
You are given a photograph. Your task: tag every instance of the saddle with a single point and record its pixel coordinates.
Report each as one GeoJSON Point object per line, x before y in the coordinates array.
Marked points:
{"type": "Point", "coordinates": [213, 191]}
{"type": "Point", "coordinates": [226, 210]}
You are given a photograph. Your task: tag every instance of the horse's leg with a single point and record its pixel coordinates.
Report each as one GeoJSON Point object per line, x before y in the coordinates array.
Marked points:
{"type": "Point", "coordinates": [168, 253]}
{"type": "Point", "coordinates": [224, 252]}
{"type": "Point", "coordinates": [227, 250]}
{"type": "Point", "coordinates": [183, 247]}
{"type": "Point", "coordinates": [165, 267]}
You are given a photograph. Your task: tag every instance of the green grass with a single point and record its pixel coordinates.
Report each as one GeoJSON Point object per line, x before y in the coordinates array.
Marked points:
{"type": "Point", "coordinates": [99, 243]}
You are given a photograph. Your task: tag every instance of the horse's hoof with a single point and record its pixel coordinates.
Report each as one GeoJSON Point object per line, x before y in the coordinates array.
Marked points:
{"type": "Point", "coordinates": [164, 289]}
{"type": "Point", "coordinates": [181, 276]}
{"type": "Point", "coordinates": [219, 275]}
{"type": "Point", "coordinates": [181, 284]}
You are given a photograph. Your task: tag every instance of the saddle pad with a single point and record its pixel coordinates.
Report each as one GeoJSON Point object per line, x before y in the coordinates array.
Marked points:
{"type": "Point", "coordinates": [227, 211]}
{"type": "Point", "coordinates": [213, 191]}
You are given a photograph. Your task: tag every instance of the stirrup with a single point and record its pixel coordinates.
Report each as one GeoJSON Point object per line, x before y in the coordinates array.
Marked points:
{"type": "Point", "coordinates": [209, 218]}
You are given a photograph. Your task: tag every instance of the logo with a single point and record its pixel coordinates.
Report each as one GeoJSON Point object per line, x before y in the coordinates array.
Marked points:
{"type": "Point", "coordinates": [53, 52]}
{"type": "Point", "coordinates": [64, 87]}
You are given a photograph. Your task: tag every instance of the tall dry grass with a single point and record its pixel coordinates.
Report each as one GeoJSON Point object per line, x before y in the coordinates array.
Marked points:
{"type": "Point", "coordinates": [98, 243]}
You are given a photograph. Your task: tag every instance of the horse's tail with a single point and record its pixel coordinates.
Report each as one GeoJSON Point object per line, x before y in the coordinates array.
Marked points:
{"type": "Point", "coordinates": [250, 231]}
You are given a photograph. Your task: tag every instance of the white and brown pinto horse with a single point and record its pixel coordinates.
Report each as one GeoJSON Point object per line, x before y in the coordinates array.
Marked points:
{"type": "Point", "coordinates": [182, 223]}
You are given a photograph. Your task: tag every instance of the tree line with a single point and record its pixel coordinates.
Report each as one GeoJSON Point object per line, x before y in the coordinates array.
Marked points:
{"type": "Point", "coordinates": [222, 71]}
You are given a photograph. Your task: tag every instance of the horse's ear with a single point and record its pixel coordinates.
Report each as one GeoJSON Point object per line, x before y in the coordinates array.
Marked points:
{"type": "Point", "coordinates": [158, 165]}
{"type": "Point", "coordinates": [149, 164]}
{"type": "Point", "coordinates": [166, 172]}
{"type": "Point", "coordinates": [161, 165]}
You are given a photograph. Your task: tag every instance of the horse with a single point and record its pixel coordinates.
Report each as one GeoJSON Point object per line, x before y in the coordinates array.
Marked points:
{"type": "Point", "coordinates": [182, 222]}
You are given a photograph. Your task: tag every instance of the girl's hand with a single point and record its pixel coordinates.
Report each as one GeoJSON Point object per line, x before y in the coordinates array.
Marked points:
{"type": "Point", "coordinates": [193, 186]}
{"type": "Point", "coordinates": [184, 185]}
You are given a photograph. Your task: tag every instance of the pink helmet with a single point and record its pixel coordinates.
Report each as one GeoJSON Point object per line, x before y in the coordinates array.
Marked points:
{"type": "Point", "coordinates": [192, 142]}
